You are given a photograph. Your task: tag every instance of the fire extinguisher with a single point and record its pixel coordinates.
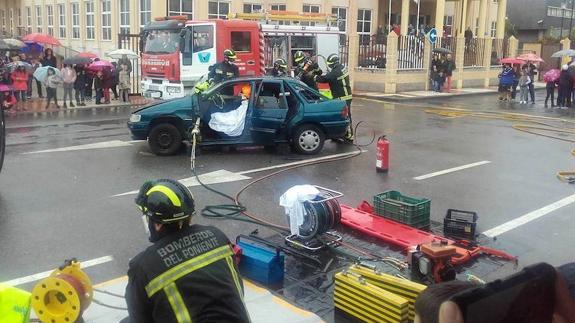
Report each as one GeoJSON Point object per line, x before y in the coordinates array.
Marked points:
{"type": "Point", "coordinates": [382, 162]}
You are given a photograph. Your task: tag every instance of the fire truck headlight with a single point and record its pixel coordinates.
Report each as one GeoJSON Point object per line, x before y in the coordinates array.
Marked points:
{"type": "Point", "coordinates": [135, 118]}
{"type": "Point", "coordinates": [173, 89]}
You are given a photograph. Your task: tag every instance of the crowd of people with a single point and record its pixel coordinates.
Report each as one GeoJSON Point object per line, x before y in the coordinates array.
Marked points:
{"type": "Point", "coordinates": [79, 82]}
{"type": "Point", "coordinates": [514, 79]}
{"type": "Point", "coordinates": [442, 67]}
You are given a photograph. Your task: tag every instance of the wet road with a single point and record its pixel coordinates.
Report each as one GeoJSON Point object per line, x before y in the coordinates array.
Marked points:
{"type": "Point", "coordinates": [58, 205]}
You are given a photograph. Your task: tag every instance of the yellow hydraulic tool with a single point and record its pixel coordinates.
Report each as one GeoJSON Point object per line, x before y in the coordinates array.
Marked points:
{"type": "Point", "coordinates": [64, 295]}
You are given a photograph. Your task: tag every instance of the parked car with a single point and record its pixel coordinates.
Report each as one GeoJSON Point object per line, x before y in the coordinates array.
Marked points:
{"type": "Point", "coordinates": [279, 110]}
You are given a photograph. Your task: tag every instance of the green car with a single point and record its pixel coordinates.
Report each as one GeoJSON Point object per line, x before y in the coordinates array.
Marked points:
{"type": "Point", "coordinates": [262, 111]}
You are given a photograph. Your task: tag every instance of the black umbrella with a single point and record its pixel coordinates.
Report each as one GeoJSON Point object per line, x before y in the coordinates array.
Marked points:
{"type": "Point", "coordinates": [77, 60]}
{"type": "Point", "coordinates": [441, 50]}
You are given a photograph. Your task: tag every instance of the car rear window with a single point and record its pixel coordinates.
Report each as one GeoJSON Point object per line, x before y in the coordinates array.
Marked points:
{"type": "Point", "coordinates": [309, 95]}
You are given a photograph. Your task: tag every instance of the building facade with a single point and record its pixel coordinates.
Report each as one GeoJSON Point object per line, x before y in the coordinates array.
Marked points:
{"type": "Point", "coordinates": [545, 18]}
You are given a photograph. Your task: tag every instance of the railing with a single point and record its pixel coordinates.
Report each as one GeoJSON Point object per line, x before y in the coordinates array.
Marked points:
{"type": "Point", "coordinates": [344, 49]}
{"type": "Point", "coordinates": [132, 42]}
{"type": "Point", "coordinates": [449, 43]}
{"type": "Point", "coordinates": [372, 52]}
{"type": "Point", "coordinates": [499, 50]}
{"type": "Point", "coordinates": [474, 52]}
{"type": "Point", "coordinates": [410, 52]}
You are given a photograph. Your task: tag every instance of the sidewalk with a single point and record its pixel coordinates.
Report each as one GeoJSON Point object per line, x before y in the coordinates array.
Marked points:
{"type": "Point", "coordinates": [426, 95]}
{"type": "Point", "coordinates": [38, 105]}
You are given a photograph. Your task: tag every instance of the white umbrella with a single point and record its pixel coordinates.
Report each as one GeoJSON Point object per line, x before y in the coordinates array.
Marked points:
{"type": "Point", "coordinates": [14, 42]}
{"type": "Point", "coordinates": [564, 52]}
{"type": "Point", "coordinates": [119, 53]}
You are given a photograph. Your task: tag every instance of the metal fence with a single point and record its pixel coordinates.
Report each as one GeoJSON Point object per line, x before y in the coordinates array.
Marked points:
{"type": "Point", "coordinates": [499, 50]}
{"type": "Point", "coordinates": [132, 42]}
{"type": "Point", "coordinates": [474, 52]}
{"type": "Point", "coordinates": [448, 43]}
{"type": "Point", "coordinates": [344, 50]}
{"type": "Point", "coordinates": [372, 53]}
{"type": "Point", "coordinates": [410, 52]}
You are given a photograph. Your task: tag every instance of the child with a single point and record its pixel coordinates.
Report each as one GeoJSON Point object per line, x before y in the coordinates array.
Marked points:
{"type": "Point", "coordinates": [20, 83]}
{"type": "Point", "coordinates": [125, 85]}
{"type": "Point", "coordinates": [432, 77]}
{"type": "Point", "coordinates": [52, 81]}
{"type": "Point", "coordinates": [550, 86]}
{"type": "Point", "coordinates": [440, 80]}
{"type": "Point", "coordinates": [524, 82]}
{"type": "Point", "coordinates": [99, 86]}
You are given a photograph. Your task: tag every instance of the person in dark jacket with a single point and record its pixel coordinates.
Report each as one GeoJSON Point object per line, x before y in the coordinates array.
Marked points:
{"type": "Point", "coordinates": [550, 87]}
{"type": "Point", "coordinates": [565, 88]}
{"type": "Point", "coordinates": [532, 73]}
{"type": "Point", "coordinates": [80, 85]}
{"type": "Point", "coordinates": [99, 86]}
{"type": "Point", "coordinates": [49, 59]}
{"type": "Point", "coordinates": [107, 83]}
{"type": "Point", "coordinates": [225, 70]}
{"type": "Point", "coordinates": [506, 79]}
{"type": "Point", "coordinates": [517, 74]}
{"type": "Point", "coordinates": [115, 74]}
{"type": "Point", "coordinates": [448, 68]}
{"type": "Point", "coordinates": [338, 80]}
{"type": "Point", "coordinates": [189, 273]}
{"type": "Point", "coordinates": [280, 68]}
{"type": "Point", "coordinates": [306, 69]}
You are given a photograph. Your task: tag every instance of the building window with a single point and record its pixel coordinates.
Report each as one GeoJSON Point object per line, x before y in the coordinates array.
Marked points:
{"type": "Point", "coordinates": [106, 20]}
{"type": "Point", "coordinates": [29, 19]}
{"type": "Point", "coordinates": [39, 19]}
{"type": "Point", "coordinates": [50, 19]}
{"type": "Point", "coordinates": [218, 9]}
{"type": "Point", "coordinates": [448, 26]}
{"type": "Point", "coordinates": [181, 7]}
{"type": "Point", "coordinates": [75, 20]}
{"type": "Point", "coordinates": [364, 25]}
{"type": "Point", "coordinates": [125, 16]}
{"type": "Point", "coordinates": [493, 28]}
{"type": "Point", "coordinates": [308, 8]}
{"type": "Point", "coordinates": [341, 15]}
{"type": "Point", "coordinates": [252, 7]}
{"type": "Point", "coordinates": [278, 7]}
{"type": "Point", "coordinates": [62, 20]}
{"type": "Point", "coordinates": [90, 29]}
{"type": "Point", "coordinates": [145, 12]}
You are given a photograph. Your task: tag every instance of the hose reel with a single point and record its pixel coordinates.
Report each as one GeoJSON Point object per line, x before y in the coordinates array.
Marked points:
{"type": "Point", "coordinates": [64, 295]}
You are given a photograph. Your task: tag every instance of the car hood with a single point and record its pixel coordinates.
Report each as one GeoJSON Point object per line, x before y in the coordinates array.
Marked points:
{"type": "Point", "coordinates": [166, 106]}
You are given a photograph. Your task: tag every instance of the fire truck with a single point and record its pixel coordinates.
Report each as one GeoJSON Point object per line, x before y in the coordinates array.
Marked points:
{"type": "Point", "coordinates": [177, 52]}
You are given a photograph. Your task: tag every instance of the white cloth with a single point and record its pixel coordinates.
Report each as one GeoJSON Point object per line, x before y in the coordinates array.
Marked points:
{"type": "Point", "coordinates": [292, 201]}
{"type": "Point", "coordinates": [231, 123]}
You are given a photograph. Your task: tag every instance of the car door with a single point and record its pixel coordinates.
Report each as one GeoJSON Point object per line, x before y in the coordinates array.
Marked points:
{"type": "Point", "coordinates": [269, 112]}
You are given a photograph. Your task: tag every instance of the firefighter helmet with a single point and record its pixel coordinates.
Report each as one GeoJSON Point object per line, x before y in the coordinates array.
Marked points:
{"type": "Point", "coordinates": [332, 60]}
{"type": "Point", "coordinates": [298, 57]}
{"type": "Point", "coordinates": [281, 63]}
{"type": "Point", "coordinates": [165, 201]}
{"type": "Point", "coordinates": [230, 55]}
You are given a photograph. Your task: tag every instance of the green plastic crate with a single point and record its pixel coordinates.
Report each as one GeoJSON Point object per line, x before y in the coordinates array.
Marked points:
{"type": "Point", "coordinates": [402, 208]}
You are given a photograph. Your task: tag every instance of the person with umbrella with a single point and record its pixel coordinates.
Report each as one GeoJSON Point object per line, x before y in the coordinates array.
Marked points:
{"type": "Point", "coordinates": [68, 78]}
{"type": "Point", "coordinates": [565, 87]}
{"type": "Point", "coordinates": [531, 72]}
{"type": "Point", "coordinates": [448, 68]}
{"type": "Point", "coordinates": [20, 83]}
{"type": "Point", "coordinates": [551, 78]}
{"type": "Point", "coordinates": [125, 61]}
{"type": "Point", "coordinates": [35, 65]}
{"type": "Point", "coordinates": [80, 85]}
{"type": "Point", "coordinates": [506, 78]}
{"type": "Point", "coordinates": [52, 80]}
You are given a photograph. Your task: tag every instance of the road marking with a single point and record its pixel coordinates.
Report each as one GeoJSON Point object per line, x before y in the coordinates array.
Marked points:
{"type": "Point", "coordinates": [97, 145]}
{"type": "Point", "coordinates": [42, 275]}
{"type": "Point", "coordinates": [299, 162]}
{"type": "Point", "coordinates": [450, 170]}
{"type": "Point", "coordinates": [219, 176]}
{"type": "Point", "coordinates": [524, 219]}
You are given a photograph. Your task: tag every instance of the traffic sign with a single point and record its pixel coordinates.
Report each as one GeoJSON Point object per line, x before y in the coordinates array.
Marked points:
{"type": "Point", "coordinates": [432, 35]}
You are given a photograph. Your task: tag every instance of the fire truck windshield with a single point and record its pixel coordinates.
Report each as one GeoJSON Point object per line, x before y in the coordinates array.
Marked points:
{"type": "Point", "coordinates": [162, 41]}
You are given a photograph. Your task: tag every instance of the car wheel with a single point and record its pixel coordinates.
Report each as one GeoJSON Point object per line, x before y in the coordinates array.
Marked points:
{"type": "Point", "coordinates": [165, 139]}
{"type": "Point", "coordinates": [308, 139]}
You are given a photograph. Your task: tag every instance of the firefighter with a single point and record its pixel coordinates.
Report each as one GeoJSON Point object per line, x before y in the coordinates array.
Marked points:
{"type": "Point", "coordinates": [306, 69]}
{"type": "Point", "coordinates": [225, 69]}
{"type": "Point", "coordinates": [189, 273]}
{"type": "Point", "coordinates": [338, 80]}
{"type": "Point", "coordinates": [280, 68]}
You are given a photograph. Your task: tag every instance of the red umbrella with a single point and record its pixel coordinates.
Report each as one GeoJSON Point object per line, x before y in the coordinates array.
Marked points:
{"type": "Point", "coordinates": [42, 39]}
{"type": "Point", "coordinates": [89, 55]}
{"type": "Point", "coordinates": [551, 75]}
{"type": "Point", "coordinates": [531, 58]}
{"type": "Point", "coordinates": [511, 60]}
{"type": "Point", "coordinates": [100, 65]}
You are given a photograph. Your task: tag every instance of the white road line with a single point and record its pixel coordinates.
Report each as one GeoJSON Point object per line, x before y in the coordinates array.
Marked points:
{"type": "Point", "coordinates": [299, 162]}
{"type": "Point", "coordinates": [42, 275]}
{"type": "Point", "coordinates": [534, 215]}
{"type": "Point", "coordinates": [97, 145]}
{"type": "Point", "coordinates": [450, 170]}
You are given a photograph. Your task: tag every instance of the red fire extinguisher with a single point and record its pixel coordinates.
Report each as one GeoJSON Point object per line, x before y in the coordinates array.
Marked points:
{"type": "Point", "coordinates": [382, 162]}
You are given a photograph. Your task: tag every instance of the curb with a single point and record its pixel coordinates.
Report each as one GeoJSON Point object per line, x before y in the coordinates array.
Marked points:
{"type": "Point", "coordinates": [99, 107]}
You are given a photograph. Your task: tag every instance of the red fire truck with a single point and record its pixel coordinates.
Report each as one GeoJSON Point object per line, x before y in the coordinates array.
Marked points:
{"type": "Point", "coordinates": [177, 52]}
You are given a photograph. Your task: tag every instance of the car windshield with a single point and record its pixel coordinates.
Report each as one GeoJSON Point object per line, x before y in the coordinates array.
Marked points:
{"type": "Point", "coordinates": [162, 41]}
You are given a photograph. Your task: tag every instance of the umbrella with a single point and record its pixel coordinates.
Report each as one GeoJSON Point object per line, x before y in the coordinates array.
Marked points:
{"type": "Point", "coordinates": [511, 60]}
{"type": "Point", "coordinates": [4, 45]}
{"type": "Point", "coordinates": [42, 39]}
{"type": "Point", "coordinates": [100, 65]}
{"type": "Point", "coordinates": [15, 43]}
{"type": "Point", "coordinates": [551, 75]}
{"type": "Point", "coordinates": [41, 72]}
{"type": "Point", "coordinates": [77, 60]}
{"type": "Point", "coordinates": [14, 65]}
{"type": "Point", "coordinates": [564, 52]}
{"type": "Point", "coordinates": [88, 55]}
{"type": "Point", "coordinates": [32, 49]}
{"type": "Point", "coordinates": [442, 50]}
{"type": "Point", "coordinates": [119, 53]}
{"type": "Point", "coordinates": [4, 88]}
{"type": "Point", "coordinates": [531, 58]}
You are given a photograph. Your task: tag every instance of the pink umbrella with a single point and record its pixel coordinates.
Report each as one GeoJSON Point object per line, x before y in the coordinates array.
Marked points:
{"type": "Point", "coordinates": [531, 58]}
{"type": "Point", "coordinates": [511, 60]}
{"type": "Point", "coordinates": [88, 55]}
{"type": "Point", "coordinates": [100, 65]}
{"type": "Point", "coordinates": [551, 75]}
{"type": "Point", "coordinates": [42, 39]}
{"type": "Point", "coordinates": [4, 88]}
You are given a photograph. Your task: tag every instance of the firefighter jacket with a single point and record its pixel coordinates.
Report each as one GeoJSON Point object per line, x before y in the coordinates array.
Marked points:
{"type": "Point", "coordinates": [338, 80]}
{"type": "Point", "coordinates": [223, 71]}
{"type": "Point", "coordinates": [307, 72]}
{"type": "Point", "coordinates": [187, 276]}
